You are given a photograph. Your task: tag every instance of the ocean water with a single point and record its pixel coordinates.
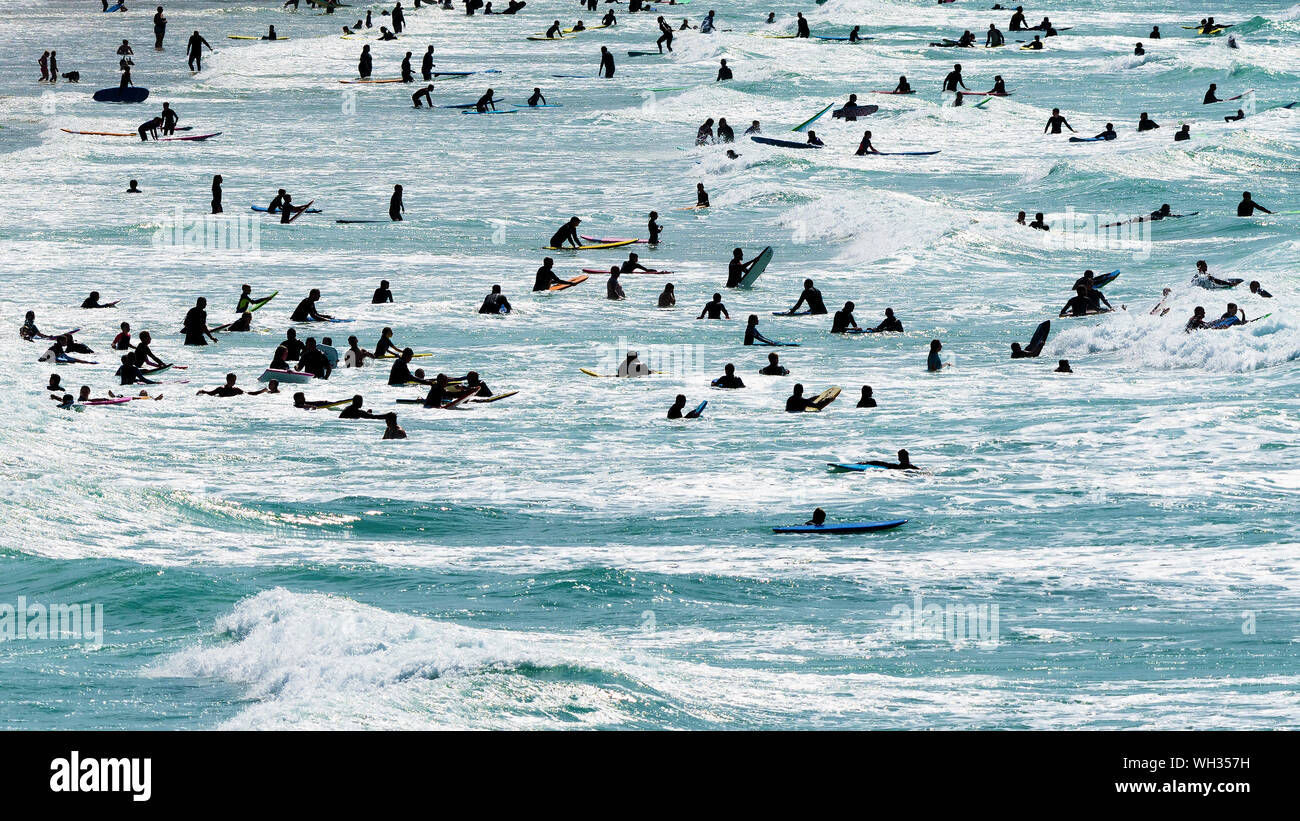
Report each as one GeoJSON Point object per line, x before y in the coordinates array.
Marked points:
{"type": "Point", "coordinates": [568, 558]}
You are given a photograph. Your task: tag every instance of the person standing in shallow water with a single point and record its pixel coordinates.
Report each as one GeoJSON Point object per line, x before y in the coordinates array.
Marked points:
{"type": "Point", "coordinates": [216, 193]}
{"type": "Point", "coordinates": [395, 206]}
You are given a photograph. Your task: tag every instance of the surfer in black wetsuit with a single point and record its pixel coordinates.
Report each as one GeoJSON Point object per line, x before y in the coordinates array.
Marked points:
{"type": "Point", "coordinates": [903, 86]}
{"type": "Point", "coordinates": [1197, 322]}
{"type": "Point", "coordinates": [1145, 123]}
{"type": "Point", "coordinates": [546, 276]}
{"type": "Point", "coordinates": [385, 34]}
{"type": "Point", "coordinates": [144, 355]}
{"type": "Point", "coordinates": [797, 403]}
{"type": "Point", "coordinates": [159, 28]}
{"type": "Point", "coordinates": [398, 17]}
{"type": "Point", "coordinates": [400, 373]}
{"type": "Point", "coordinates": [904, 462]}
{"type": "Point", "coordinates": [1210, 96]}
{"type": "Point", "coordinates": [724, 73]}
{"type": "Point", "coordinates": [632, 265]}
{"type": "Point", "coordinates": [567, 233]}
{"type": "Point", "coordinates": [313, 360]}
{"type": "Point", "coordinates": [169, 119]}
{"type": "Point", "coordinates": [365, 63]}
{"type": "Point", "coordinates": [1055, 122]}
{"type": "Point", "coordinates": [1248, 206]}
{"type": "Point", "coordinates": [843, 319]}
{"type": "Point", "coordinates": [737, 268]}
{"type": "Point", "coordinates": [1081, 303]}
{"type": "Point", "coordinates": [701, 196]}
{"type": "Point", "coordinates": [725, 134]}
{"type": "Point", "coordinates": [679, 405]}
{"type": "Point", "coordinates": [866, 400]}
{"type": "Point", "coordinates": [485, 101]}
{"type": "Point", "coordinates": [654, 227]}
{"type": "Point", "coordinates": [854, 35]}
{"type": "Point", "coordinates": [801, 26]}
{"type": "Point", "coordinates": [195, 326]}
{"type": "Point", "coordinates": [306, 310]}
{"type": "Point", "coordinates": [149, 129]}
{"type": "Point", "coordinates": [1184, 134]}
{"type": "Point", "coordinates": [382, 294]}
{"type": "Point", "coordinates": [385, 347]}
{"type": "Point", "coordinates": [1232, 118]}
{"type": "Point", "coordinates": [606, 69]}
{"type": "Point", "coordinates": [953, 79]}
{"type": "Point", "coordinates": [426, 65]}
{"type": "Point", "coordinates": [1018, 20]}
{"type": "Point", "coordinates": [408, 74]}
{"type": "Point", "coordinates": [865, 147]}
{"type": "Point", "coordinates": [92, 301]}
{"type": "Point", "coordinates": [811, 297]}
{"type": "Point", "coordinates": [226, 390]}
{"type": "Point", "coordinates": [714, 309]}
{"type": "Point", "coordinates": [536, 99]}
{"type": "Point", "coordinates": [194, 50]}
{"type": "Point", "coordinates": [425, 94]}
{"type": "Point", "coordinates": [999, 87]}
{"type": "Point", "coordinates": [437, 394]}
{"type": "Point", "coordinates": [665, 36]}
{"type": "Point", "coordinates": [994, 37]}
{"type": "Point", "coordinates": [1040, 222]}
{"type": "Point", "coordinates": [613, 290]}
{"type": "Point", "coordinates": [495, 302]}
{"type": "Point", "coordinates": [728, 380]}
{"type": "Point", "coordinates": [1108, 133]}
{"type": "Point", "coordinates": [891, 323]}
{"type": "Point", "coordinates": [395, 205]}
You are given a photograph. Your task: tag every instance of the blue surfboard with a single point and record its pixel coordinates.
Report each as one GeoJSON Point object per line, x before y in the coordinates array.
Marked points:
{"type": "Point", "coordinates": [847, 527]}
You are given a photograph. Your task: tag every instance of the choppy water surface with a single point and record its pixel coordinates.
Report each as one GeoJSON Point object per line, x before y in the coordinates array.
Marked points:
{"type": "Point", "coordinates": [570, 558]}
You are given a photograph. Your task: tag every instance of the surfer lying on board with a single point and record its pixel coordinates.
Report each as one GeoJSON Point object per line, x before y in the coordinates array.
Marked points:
{"type": "Point", "coordinates": [1232, 316]}
{"type": "Point", "coordinates": [632, 264]}
{"type": "Point", "coordinates": [226, 390]}
{"type": "Point", "coordinates": [301, 402]}
{"type": "Point", "coordinates": [92, 301]}
{"type": "Point", "coordinates": [567, 233]}
{"type": "Point", "coordinates": [355, 411]}
{"type": "Point", "coordinates": [904, 462]}
{"type": "Point", "coordinates": [58, 353]}
{"type": "Point", "coordinates": [811, 297]}
{"type": "Point", "coordinates": [1204, 280]}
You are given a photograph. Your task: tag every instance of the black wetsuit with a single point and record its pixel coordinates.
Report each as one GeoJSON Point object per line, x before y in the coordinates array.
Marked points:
{"type": "Point", "coordinates": [813, 299]}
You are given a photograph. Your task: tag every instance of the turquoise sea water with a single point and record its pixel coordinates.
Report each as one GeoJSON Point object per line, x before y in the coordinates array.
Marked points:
{"type": "Point", "coordinates": [568, 557]}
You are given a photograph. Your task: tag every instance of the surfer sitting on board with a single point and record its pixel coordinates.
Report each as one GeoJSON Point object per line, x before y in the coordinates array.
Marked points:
{"type": "Point", "coordinates": [536, 99]}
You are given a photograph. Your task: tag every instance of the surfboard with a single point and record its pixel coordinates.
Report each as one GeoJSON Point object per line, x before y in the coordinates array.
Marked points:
{"type": "Point", "coordinates": [856, 111]}
{"type": "Point", "coordinates": [131, 94]}
{"type": "Point", "coordinates": [492, 111]}
{"type": "Point", "coordinates": [152, 371]}
{"type": "Point", "coordinates": [847, 527]}
{"type": "Point", "coordinates": [611, 239]}
{"type": "Point", "coordinates": [782, 143]}
{"type": "Point", "coordinates": [495, 397]}
{"type": "Point", "coordinates": [804, 125]}
{"type": "Point", "coordinates": [253, 306]}
{"type": "Point", "coordinates": [594, 247]}
{"type": "Point", "coordinates": [1039, 339]}
{"type": "Point", "coordinates": [844, 39]}
{"type": "Point", "coordinates": [284, 376]}
{"type": "Point", "coordinates": [699, 410]}
{"type": "Point", "coordinates": [191, 137]}
{"type": "Point", "coordinates": [1087, 139]}
{"type": "Point", "coordinates": [859, 467]}
{"type": "Point", "coordinates": [562, 286]}
{"type": "Point", "coordinates": [902, 154]}
{"type": "Point", "coordinates": [262, 208]}
{"type": "Point", "coordinates": [526, 107]}
{"type": "Point", "coordinates": [760, 265]}
{"type": "Point", "coordinates": [121, 400]}
{"type": "Point", "coordinates": [821, 400]}
{"type": "Point", "coordinates": [373, 82]}
{"type": "Point", "coordinates": [604, 271]}
{"type": "Point", "coordinates": [644, 54]}
{"type": "Point", "coordinates": [1105, 279]}
{"type": "Point", "coordinates": [99, 133]}
{"type": "Point", "coordinates": [254, 37]}
{"type": "Point", "coordinates": [298, 212]}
